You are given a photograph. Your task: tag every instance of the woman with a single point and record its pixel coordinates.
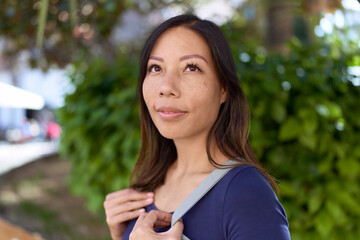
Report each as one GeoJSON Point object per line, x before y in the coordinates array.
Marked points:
{"type": "Point", "coordinates": [194, 118]}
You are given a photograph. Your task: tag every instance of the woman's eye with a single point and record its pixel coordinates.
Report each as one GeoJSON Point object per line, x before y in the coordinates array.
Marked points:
{"type": "Point", "coordinates": [154, 68]}
{"type": "Point", "coordinates": [192, 68]}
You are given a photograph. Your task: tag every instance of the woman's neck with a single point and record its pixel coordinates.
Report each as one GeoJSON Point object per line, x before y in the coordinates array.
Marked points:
{"type": "Point", "coordinates": [193, 158]}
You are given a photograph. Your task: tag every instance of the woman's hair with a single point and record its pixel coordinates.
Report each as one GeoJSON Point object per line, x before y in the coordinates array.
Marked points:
{"type": "Point", "coordinates": [231, 128]}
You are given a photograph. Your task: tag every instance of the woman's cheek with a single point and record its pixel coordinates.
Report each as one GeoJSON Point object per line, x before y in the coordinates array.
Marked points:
{"type": "Point", "coordinates": [146, 92]}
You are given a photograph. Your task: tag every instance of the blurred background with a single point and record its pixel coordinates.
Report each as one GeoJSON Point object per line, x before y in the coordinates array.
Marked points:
{"type": "Point", "coordinates": [69, 127]}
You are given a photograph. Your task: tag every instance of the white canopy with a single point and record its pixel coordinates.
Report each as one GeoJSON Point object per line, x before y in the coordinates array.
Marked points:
{"type": "Point", "coordinates": [14, 97]}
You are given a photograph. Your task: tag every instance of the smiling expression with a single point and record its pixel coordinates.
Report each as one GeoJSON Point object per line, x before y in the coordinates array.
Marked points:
{"type": "Point", "coordinates": [181, 89]}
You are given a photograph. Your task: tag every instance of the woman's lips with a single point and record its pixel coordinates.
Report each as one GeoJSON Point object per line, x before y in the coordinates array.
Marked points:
{"type": "Point", "coordinates": [170, 112]}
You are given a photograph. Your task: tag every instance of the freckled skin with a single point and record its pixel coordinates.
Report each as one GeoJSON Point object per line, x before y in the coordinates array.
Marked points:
{"type": "Point", "coordinates": [177, 83]}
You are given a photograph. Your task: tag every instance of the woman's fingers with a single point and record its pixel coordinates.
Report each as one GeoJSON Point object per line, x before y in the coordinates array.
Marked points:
{"type": "Point", "coordinates": [153, 219]}
{"type": "Point", "coordinates": [122, 206]}
{"type": "Point", "coordinates": [129, 192]}
{"type": "Point", "coordinates": [163, 219]}
{"type": "Point", "coordinates": [147, 222]}
{"type": "Point", "coordinates": [128, 206]}
{"type": "Point", "coordinates": [125, 203]}
{"type": "Point", "coordinates": [150, 219]}
{"type": "Point", "coordinates": [159, 224]}
{"type": "Point", "coordinates": [176, 231]}
{"type": "Point", "coordinates": [115, 220]}
{"type": "Point", "coordinates": [140, 220]}
{"type": "Point", "coordinates": [123, 196]}
{"type": "Point", "coordinates": [157, 218]}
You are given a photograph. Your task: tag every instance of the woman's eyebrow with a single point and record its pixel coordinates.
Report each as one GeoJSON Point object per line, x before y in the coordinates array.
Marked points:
{"type": "Point", "coordinates": [192, 56]}
{"type": "Point", "coordinates": [181, 58]}
{"type": "Point", "coordinates": [156, 58]}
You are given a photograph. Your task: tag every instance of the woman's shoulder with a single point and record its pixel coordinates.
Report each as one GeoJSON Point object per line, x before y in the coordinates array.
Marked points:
{"type": "Point", "coordinates": [247, 177]}
{"type": "Point", "coordinates": [246, 183]}
{"type": "Point", "coordinates": [248, 172]}
{"type": "Point", "coordinates": [248, 200]}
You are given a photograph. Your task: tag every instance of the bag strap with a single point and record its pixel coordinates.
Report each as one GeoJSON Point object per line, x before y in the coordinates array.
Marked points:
{"type": "Point", "coordinates": [204, 187]}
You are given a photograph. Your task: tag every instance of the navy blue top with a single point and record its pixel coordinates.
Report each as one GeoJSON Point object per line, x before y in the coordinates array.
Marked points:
{"type": "Point", "coordinates": [242, 205]}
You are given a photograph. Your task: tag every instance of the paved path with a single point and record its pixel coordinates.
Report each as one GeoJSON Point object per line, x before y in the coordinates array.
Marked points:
{"type": "Point", "coordinates": [11, 232]}
{"type": "Point", "coordinates": [16, 155]}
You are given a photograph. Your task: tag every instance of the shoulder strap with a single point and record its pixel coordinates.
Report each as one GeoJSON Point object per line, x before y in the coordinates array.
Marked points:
{"type": "Point", "coordinates": [205, 186]}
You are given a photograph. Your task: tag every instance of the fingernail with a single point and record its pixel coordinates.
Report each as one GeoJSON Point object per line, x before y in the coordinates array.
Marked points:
{"type": "Point", "coordinates": [141, 210]}
{"type": "Point", "coordinates": [150, 194]}
{"type": "Point", "coordinates": [149, 199]}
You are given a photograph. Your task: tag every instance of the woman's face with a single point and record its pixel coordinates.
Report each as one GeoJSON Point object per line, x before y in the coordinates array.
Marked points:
{"type": "Point", "coordinates": [181, 89]}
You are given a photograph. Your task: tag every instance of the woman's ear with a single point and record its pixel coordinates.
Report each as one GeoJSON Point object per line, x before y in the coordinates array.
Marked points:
{"type": "Point", "coordinates": [223, 95]}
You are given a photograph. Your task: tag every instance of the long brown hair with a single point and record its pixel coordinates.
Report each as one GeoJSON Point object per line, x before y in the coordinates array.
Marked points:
{"type": "Point", "coordinates": [230, 130]}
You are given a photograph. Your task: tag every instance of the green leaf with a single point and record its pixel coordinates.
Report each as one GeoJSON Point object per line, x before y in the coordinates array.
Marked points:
{"type": "Point", "coordinates": [326, 164]}
{"type": "Point", "coordinates": [348, 167]}
{"type": "Point", "coordinates": [308, 140]}
{"type": "Point", "coordinates": [336, 212]}
{"type": "Point", "coordinates": [278, 111]}
{"type": "Point", "coordinates": [348, 201]}
{"type": "Point", "coordinates": [290, 129]}
{"type": "Point", "coordinates": [323, 223]}
{"type": "Point", "coordinates": [315, 202]}
{"type": "Point", "coordinates": [287, 189]}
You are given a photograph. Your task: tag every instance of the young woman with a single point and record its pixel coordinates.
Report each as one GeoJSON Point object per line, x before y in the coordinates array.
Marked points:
{"type": "Point", "coordinates": [194, 117]}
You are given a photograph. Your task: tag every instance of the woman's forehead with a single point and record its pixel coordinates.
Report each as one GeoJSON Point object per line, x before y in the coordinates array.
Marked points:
{"type": "Point", "coordinates": [181, 41]}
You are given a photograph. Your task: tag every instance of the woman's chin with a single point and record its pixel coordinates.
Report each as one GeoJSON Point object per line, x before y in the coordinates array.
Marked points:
{"type": "Point", "coordinates": [168, 135]}
{"type": "Point", "coordinates": [172, 133]}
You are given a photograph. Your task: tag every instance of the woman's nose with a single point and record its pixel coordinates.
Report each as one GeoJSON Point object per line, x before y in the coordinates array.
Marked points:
{"type": "Point", "coordinates": [169, 86]}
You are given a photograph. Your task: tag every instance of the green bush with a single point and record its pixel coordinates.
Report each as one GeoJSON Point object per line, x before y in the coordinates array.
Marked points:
{"type": "Point", "coordinates": [100, 128]}
{"type": "Point", "coordinates": [305, 130]}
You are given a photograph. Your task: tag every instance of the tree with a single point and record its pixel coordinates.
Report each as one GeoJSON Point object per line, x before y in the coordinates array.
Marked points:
{"type": "Point", "coordinates": [278, 21]}
{"type": "Point", "coordinates": [65, 31]}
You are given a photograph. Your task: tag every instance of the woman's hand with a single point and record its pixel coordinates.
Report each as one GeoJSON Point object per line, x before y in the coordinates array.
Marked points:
{"type": "Point", "coordinates": [146, 224]}
{"type": "Point", "coordinates": [122, 206]}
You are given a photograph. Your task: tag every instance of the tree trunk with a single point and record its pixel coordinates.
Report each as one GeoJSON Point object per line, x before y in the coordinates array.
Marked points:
{"type": "Point", "coordinates": [280, 24]}
{"type": "Point", "coordinates": [280, 19]}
